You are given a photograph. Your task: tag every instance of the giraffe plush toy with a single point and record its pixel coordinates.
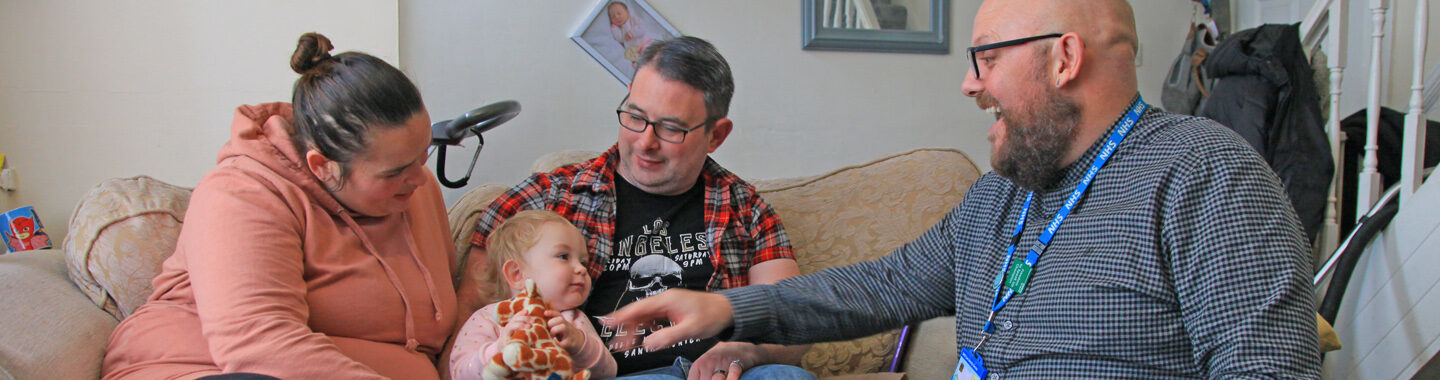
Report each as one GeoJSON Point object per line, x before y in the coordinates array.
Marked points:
{"type": "Point", "coordinates": [532, 353]}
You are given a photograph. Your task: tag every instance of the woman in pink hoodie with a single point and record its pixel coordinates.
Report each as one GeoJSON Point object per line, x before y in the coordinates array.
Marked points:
{"type": "Point", "coordinates": [318, 247]}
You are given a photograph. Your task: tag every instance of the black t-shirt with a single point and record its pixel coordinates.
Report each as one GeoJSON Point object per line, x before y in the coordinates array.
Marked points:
{"type": "Point", "coordinates": [660, 243]}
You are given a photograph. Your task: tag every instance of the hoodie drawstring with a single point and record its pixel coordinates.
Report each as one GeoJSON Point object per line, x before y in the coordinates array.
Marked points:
{"type": "Point", "coordinates": [424, 271]}
{"type": "Point", "coordinates": [411, 344]}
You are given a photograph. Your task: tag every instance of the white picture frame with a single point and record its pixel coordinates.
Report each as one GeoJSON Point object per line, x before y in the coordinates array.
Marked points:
{"type": "Point", "coordinates": [617, 47]}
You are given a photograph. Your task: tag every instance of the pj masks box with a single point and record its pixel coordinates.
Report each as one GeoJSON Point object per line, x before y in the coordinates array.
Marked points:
{"type": "Point", "coordinates": [22, 230]}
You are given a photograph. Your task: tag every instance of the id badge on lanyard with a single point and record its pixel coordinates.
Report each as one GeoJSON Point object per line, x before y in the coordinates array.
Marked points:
{"type": "Point", "coordinates": [970, 367]}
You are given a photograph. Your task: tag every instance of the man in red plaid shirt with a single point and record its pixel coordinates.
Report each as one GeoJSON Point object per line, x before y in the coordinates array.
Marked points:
{"type": "Point", "coordinates": [671, 218]}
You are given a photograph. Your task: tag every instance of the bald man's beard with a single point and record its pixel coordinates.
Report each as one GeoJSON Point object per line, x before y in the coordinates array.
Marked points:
{"type": "Point", "coordinates": [1036, 140]}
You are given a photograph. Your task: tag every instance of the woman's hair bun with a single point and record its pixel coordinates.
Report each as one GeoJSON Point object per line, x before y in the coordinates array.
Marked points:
{"type": "Point", "coordinates": [312, 50]}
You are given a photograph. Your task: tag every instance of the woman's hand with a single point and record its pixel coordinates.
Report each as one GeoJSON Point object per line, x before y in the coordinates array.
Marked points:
{"type": "Point", "coordinates": [564, 332]}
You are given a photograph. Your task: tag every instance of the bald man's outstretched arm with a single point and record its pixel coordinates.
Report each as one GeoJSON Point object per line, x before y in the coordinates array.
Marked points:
{"type": "Point", "coordinates": [913, 283]}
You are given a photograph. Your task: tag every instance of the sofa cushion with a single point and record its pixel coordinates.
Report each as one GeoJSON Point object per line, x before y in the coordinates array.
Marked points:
{"type": "Point", "coordinates": [861, 213]}
{"type": "Point", "coordinates": [121, 232]}
{"type": "Point", "coordinates": [51, 331]}
{"type": "Point", "coordinates": [852, 214]}
{"type": "Point", "coordinates": [551, 161]}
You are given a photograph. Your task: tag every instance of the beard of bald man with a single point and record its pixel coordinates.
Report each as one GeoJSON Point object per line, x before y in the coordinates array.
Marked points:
{"type": "Point", "coordinates": [1037, 136]}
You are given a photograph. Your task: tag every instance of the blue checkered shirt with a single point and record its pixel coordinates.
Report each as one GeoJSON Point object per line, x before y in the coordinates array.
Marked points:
{"type": "Point", "coordinates": [1183, 260]}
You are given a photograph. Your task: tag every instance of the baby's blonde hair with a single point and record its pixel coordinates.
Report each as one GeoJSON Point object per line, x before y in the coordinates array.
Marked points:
{"type": "Point", "coordinates": [511, 239]}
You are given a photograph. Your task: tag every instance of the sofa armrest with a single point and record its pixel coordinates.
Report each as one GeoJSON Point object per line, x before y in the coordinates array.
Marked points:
{"type": "Point", "coordinates": [48, 328]}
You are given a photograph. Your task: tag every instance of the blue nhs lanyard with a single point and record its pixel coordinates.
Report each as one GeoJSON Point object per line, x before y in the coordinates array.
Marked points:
{"type": "Point", "coordinates": [1013, 278]}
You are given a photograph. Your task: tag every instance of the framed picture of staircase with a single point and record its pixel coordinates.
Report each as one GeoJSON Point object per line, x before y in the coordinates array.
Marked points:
{"type": "Point", "coordinates": [889, 26]}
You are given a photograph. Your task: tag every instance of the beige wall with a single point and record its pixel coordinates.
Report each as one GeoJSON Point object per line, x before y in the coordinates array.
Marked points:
{"type": "Point", "coordinates": [99, 89]}
{"type": "Point", "coordinates": [796, 112]}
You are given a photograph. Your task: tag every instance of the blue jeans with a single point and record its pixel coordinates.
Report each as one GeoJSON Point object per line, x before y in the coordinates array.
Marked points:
{"type": "Point", "coordinates": [681, 369]}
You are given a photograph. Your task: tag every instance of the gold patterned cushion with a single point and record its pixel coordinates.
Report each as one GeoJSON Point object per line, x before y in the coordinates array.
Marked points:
{"type": "Point", "coordinates": [861, 213]}
{"type": "Point", "coordinates": [120, 233]}
{"type": "Point", "coordinates": [849, 215]}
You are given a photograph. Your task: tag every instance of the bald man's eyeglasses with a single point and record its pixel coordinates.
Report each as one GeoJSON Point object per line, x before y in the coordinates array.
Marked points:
{"type": "Point", "coordinates": [1002, 44]}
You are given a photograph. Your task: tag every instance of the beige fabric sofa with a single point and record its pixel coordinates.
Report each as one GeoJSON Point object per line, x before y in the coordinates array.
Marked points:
{"type": "Point", "coordinates": [59, 306]}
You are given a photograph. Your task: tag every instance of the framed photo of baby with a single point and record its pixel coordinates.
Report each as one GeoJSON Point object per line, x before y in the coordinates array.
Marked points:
{"type": "Point", "coordinates": [616, 31]}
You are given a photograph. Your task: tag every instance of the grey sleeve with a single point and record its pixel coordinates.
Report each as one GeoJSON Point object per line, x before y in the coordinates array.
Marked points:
{"type": "Point", "coordinates": [913, 283]}
{"type": "Point", "coordinates": [1241, 268]}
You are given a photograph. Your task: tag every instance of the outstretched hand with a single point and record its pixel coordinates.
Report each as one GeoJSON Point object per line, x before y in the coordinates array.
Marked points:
{"type": "Point", "coordinates": [693, 315]}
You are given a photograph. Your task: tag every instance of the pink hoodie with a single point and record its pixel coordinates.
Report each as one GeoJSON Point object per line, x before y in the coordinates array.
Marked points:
{"type": "Point", "coordinates": [272, 275]}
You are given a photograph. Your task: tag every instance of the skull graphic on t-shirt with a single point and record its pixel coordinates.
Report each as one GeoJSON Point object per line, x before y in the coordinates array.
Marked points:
{"type": "Point", "coordinates": [653, 274]}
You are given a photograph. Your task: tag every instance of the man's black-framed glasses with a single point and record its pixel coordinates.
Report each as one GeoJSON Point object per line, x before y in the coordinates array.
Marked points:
{"type": "Point", "coordinates": [1001, 44]}
{"type": "Point", "coordinates": [665, 130]}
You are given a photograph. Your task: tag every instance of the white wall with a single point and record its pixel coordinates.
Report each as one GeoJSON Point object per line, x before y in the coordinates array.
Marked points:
{"type": "Point", "coordinates": [91, 90]}
{"type": "Point", "coordinates": [796, 112]}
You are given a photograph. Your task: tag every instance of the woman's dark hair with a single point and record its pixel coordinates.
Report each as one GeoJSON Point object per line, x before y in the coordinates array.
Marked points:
{"type": "Point", "coordinates": [339, 99]}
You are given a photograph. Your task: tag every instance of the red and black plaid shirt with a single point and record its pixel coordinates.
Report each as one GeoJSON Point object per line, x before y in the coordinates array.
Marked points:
{"type": "Point", "coordinates": [748, 230]}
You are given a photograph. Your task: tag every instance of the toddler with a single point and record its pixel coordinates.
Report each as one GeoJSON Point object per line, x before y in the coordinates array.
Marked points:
{"type": "Point", "coordinates": [541, 246]}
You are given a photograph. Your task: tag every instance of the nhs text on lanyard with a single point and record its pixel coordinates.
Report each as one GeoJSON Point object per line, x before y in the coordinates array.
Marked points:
{"type": "Point", "coordinates": [1015, 271]}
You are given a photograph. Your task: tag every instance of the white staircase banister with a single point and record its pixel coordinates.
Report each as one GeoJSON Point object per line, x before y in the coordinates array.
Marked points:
{"type": "Point", "coordinates": [1323, 29]}
{"type": "Point", "coordinates": [1313, 27]}
{"type": "Point", "coordinates": [849, 14]}
{"type": "Point", "coordinates": [1412, 158]}
{"type": "Point", "coordinates": [1368, 189]}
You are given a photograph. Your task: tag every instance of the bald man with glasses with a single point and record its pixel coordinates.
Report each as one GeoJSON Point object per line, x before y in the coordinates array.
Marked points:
{"type": "Point", "coordinates": [1112, 240]}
